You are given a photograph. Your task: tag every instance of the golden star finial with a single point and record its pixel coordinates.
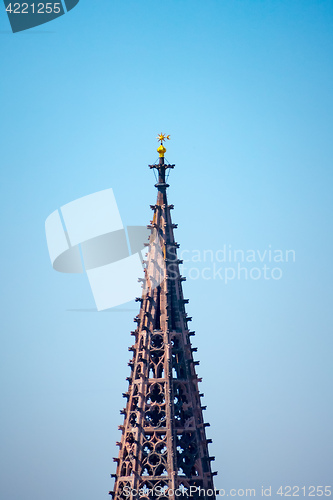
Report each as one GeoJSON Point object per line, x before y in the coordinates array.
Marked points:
{"type": "Point", "coordinates": [162, 137]}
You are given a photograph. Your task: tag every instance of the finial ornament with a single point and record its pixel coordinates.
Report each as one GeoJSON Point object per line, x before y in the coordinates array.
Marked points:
{"type": "Point", "coordinates": [161, 149]}
{"type": "Point", "coordinates": [163, 137]}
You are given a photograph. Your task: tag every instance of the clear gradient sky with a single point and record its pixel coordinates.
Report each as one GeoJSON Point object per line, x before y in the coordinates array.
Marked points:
{"type": "Point", "coordinates": [244, 87]}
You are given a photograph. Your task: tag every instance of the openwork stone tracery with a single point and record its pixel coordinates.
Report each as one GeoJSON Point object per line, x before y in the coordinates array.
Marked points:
{"type": "Point", "coordinates": [163, 446]}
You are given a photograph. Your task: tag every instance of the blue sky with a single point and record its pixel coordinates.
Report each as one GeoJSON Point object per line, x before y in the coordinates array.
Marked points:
{"type": "Point", "coordinates": [245, 90]}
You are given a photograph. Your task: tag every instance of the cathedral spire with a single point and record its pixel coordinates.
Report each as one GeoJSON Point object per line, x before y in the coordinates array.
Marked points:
{"type": "Point", "coordinates": [163, 449]}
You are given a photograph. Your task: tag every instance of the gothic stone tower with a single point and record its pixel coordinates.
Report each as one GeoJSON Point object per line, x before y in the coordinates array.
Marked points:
{"type": "Point", "coordinates": [163, 452]}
